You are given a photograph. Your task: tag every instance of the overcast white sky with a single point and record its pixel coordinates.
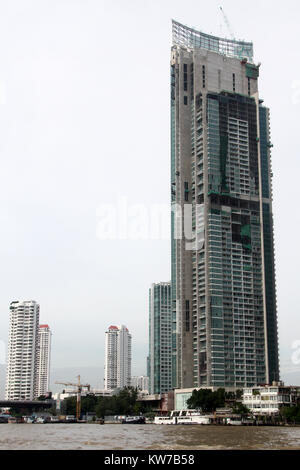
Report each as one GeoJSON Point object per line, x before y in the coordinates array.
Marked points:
{"type": "Point", "coordinates": [84, 121]}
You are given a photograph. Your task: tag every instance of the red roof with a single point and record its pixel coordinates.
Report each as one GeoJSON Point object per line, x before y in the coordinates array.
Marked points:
{"type": "Point", "coordinates": [112, 327]}
{"type": "Point", "coordinates": [44, 326]}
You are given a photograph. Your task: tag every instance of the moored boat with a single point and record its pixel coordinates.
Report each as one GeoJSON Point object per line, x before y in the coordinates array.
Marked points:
{"type": "Point", "coordinates": [234, 421]}
{"type": "Point", "coordinates": [184, 417]}
{"type": "Point", "coordinates": [13, 420]}
{"type": "Point", "coordinates": [133, 420]}
{"type": "Point", "coordinates": [29, 419]}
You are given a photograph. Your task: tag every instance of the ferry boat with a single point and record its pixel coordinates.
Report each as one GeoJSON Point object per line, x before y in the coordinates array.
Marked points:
{"type": "Point", "coordinates": [184, 417]}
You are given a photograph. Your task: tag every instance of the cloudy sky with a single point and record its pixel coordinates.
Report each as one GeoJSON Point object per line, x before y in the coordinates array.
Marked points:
{"type": "Point", "coordinates": [84, 124]}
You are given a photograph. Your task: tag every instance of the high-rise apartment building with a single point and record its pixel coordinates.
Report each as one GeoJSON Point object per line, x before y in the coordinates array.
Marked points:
{"type": "Point", "coordinates": [223, 277]}
{"type": "Point", "coordinates": [22, 348]}
{"type": "Point", "coordinates": [160, 338]}
{"type": "Point", "coordinates": [140, 382]}
{"type": "Point", "coordinates": [43, 361]}
{"type": "Point", "coordinates": [117, 369]}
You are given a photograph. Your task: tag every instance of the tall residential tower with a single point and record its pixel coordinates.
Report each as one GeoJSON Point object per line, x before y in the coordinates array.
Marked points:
{"type": "Point", "coordinates": [43, 361]}
{"type": "Point", "coordinates": [117, 369]}
{"type": "Point", "coordinates": [160, 338]}
{"type": "Point", "coordinates": [22, 348]}
{"type": "Point", "coordinates": [223, 277]}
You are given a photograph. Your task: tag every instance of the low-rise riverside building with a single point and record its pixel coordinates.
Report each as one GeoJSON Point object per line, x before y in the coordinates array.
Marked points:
{"type": "Point", "coordinates": [269, 399]}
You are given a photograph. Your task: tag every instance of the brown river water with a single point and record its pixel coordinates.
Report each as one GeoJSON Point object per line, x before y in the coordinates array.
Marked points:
{"type": "Point", "coordinates": [146, 437]}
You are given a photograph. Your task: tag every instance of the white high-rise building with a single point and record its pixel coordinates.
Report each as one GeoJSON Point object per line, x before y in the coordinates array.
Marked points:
{"type": "Point", "coordinates": [117, 369]}
{"type": "Point", "coordinates": [22, 347]}
{"type": "Point", "coordinates": [43, 360]}
{"type": "Point", "coordinates": [141, 383]}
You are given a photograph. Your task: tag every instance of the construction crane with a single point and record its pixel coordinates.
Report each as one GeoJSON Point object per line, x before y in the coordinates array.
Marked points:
{"type": "Point", "coordinates": [228, 24]}
{"type": "Point", "coordinates": [79, 386]}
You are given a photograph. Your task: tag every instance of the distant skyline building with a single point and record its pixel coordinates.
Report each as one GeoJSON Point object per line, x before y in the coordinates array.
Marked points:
{"type": "Point", "coordinates": [140, 382]}
{"type": "Point", "coordinates": [160, 338]}
{"type": "Point", "coordinates": [22, 349]}
{"type": "Point", "coordinates": [43, 360]}
{"type": "Point", "coordinates": [223, 270]}
{"type": "Point", "coordinates": [117, 369]}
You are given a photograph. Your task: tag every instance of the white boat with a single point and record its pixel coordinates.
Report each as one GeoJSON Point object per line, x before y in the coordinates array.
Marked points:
{"type": "Point", "coordinates": [28, 419]}
{"type": "Point", "coordinates": [54, 419]}
{"type": "Point", "coordinates": [163, 420]}
{"type": "Point", "coordinates": [40, 420]}
{"type": "Point", "coordinates": [184, 417]}
{"type": "Point", "coordinates": [234, 421]}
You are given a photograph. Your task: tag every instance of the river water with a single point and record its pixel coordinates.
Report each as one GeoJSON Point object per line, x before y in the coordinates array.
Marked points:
{"type": "Point", "coordinates": [146, 437]}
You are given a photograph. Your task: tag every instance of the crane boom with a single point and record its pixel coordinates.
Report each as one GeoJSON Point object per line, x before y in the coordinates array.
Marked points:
{"type": "Point", "coordinates": [79, 386]}
{"type": "Point", "coordinates": [227, 24]}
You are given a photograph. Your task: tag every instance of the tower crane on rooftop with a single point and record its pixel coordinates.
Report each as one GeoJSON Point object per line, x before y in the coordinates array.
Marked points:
{"type": "Point", "coordinates": [79, 386]}
{"type": "Point", "coordinates": [228, 24]}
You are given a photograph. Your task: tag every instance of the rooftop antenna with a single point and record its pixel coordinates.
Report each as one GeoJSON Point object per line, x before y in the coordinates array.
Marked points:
{"type": "Point", "coordinates": [228, 24]}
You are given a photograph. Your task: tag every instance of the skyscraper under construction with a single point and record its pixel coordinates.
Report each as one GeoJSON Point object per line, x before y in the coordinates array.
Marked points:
{"type": "Point", "coordinates": [223, 277]}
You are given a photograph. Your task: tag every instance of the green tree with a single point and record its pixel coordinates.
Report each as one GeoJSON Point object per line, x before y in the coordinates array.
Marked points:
{"type": "Point", "coordinates": [88, 404]}
{"type": "Point", "coordinates": [41, 398]}
{"type": "Point", "coordinates": [124, 403]}
{"type": "Point", "coordinates": [241, 409]}
{"type": "Point", "coordinates": [206, 399]}
{"type": "Point", "coordinates": [70, 405]}
{"type": "Point", "coordinates": [291, 414]}
{"type": "Point", "coordinates": [230, 396]}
